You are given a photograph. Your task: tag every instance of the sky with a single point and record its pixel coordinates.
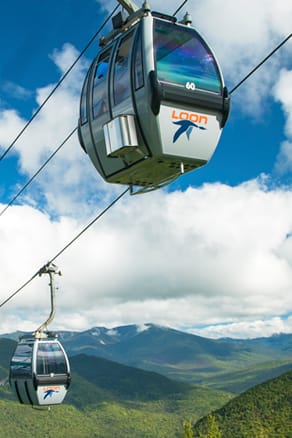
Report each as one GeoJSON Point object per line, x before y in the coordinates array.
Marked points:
{"type": "Point", "coordinates": [211, 253]}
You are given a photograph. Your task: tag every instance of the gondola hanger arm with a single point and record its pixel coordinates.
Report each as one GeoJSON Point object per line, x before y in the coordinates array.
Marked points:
{"type": "Point", "coordinates": [129, 5]}
{"type": "Point", "coordinates": [51, 269]}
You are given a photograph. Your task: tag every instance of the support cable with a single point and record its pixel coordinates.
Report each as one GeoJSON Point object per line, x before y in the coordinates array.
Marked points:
{"type": "Point", "coordinates": [37, 172]}
{"type": "Point", "coordinates": [180, 7]}
{"type": "Point", "coordinates": [230, 92]}
{"type": "Point", "coordinates": [58, 84]}
{"type": "Point", "coordinates": [123, 193]}
{"type": "Point", "coordinates": [65, 247]}
{"type": "Point", "coordinates": [260, 64]}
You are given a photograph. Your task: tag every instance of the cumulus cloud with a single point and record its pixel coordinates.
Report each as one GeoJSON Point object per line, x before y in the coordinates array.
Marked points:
{"type": "Point", "coordinates": [15, 90]}
{"type": "Point", "coordinates": [70, 176]}
{"type": "Point", "coordinates": [247, 329]}
{"type": "Point", "coordinates": [209, 255]}
{"type": "Point", "coordinates": [10, 122]}
{"type": "Point", "coordinates": [283, 94]}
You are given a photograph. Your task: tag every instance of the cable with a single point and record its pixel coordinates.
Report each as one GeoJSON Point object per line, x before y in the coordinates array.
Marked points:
{"type": "Point", "coordinates": [19, 289]}
{"type": "Point", "coordinates": [90, 224]}
{"type": "Point", "coordinates": [66, 246]}
{"type": "Point", "coordinates": [181, 6]}
{"type": "Point", "coordinates": [39, 109]}
{"type": "Point", "coordinates": [260, 64]}
{"type": "Point", "coordinates": [36, 174]}
{"type": "Point", "coordinates": [58, 84]}
{"type": "Point", "coordinates": [123, 193]}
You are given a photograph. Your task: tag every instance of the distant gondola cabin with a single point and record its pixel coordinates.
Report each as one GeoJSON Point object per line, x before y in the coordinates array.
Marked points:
{"type": "Point", "coordinates": [39, 371]}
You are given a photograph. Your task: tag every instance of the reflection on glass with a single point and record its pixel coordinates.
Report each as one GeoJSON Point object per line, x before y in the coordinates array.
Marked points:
{"type": "Point", "coordinates": [138, 62]}
{"type": "Point", "coordinates": [83, 112]}
{"type": "Point", "coordinates": [121, 73]}
{"type": "Point", "coordinates": [182, 58]}
{"type": "Point", "coordinates": [50, 359]}
{"type": "Point", "coordinates": [100, 101]}
{"type": "Point", "coordinates": [21, 361]}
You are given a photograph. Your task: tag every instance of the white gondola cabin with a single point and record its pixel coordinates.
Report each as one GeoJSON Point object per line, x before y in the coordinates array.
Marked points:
{"type": "Point", "coordinates": [40, 370]}
{"type": "Point", "coordinates": [153, 103]}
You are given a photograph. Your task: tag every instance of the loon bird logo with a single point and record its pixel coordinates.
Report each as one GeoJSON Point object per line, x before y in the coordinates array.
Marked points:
{"type": "Point", "coordinates": [49, 393]}
{"type": "Point", "coordinates": [185, 126]}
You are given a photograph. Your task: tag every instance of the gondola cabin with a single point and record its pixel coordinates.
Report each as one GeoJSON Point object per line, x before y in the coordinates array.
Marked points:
{"type": "Point", "coordinates": [39, 371]}
{"type": "Point", "coordinates": [153, 103]}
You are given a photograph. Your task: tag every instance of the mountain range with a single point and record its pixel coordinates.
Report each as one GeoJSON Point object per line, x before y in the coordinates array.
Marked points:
{"type": "Point", "coordinates": [112, 397]}
{"type": "Point", "coordinates": [107, 399]}
{"type": "Point", "coordinates": [227, 364]}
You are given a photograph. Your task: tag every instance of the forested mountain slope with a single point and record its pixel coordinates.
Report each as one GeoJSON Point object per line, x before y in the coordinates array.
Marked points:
{"type": "Point", "coordinates": [107, 400]}
{"type": "Point", "coordinates": [263, 411]}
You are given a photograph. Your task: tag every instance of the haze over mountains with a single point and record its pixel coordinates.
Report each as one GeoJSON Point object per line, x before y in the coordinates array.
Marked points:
{"type": "Point", "coordinates": [228, 364]}
{"type": "Point", "coordinates": [117, 390]}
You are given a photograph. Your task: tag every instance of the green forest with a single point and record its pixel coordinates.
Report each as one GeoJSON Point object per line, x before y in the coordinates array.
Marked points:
{"type": "Point", "coordinates": [106, 419]}
{"type": "Point", "coordinates": [92, 411]}
{"type": "Point", "coordinates": [109, 400]}
{"type": "Point", "coordinates": [261, 412]}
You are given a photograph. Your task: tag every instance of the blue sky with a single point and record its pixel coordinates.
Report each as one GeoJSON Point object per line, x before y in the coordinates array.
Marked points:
{"type": "Point", "coordinates": [218, 259]}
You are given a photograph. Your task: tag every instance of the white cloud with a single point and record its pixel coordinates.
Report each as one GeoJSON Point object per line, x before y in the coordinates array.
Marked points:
{"type": "Point", "coordinates": [70, 177]}
{"type": "Point", "coordinates": [284, 158]}
{"type": "Point", "coordinates": [210, 255]}
{"type": "Point", "coordinates": [15, 90]}
{"type": "Point", "coordinates": [10, 123]}
{"type": "Point", "coordinates": [247, 329]}
{"type": "Point", "coordinates": [205, 256]}
{"type": "Point", "coordinates": [283, 94]}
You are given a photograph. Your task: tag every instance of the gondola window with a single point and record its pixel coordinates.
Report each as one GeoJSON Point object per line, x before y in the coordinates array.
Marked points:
{"type": "Point", "coordinates": [183, 59]}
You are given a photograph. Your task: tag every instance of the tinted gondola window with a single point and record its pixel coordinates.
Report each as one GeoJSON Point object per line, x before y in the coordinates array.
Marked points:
{"type": "Point", "coordinates": [182, 58]}
{"type": "Point", "coordinates": [138, 64]}
{"type": "Point", "coordinates": [21, 361]}
{"type": "Point", "coordinates": [121, 72]}
{"type": "Point", "coordinates": [50, 359]}
{"type": "Point", "coordinates": [100, 99]}
{"type": "Point", "coordinates": [83, 111]}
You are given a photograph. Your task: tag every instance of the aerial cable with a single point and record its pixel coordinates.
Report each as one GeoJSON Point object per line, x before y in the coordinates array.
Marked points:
{"type": "Point", "coordinates": [90, 224]}
{"type": "Point", "coordinates": [180, 7]}
{"type": "Point", "coordinates": [123, 193]}
{"type": "Point", "coordinates": [58, 84]}
{"type": "Point", "coordinates": [66, 246]}
{"type": "Point", "coordinates": [37, 172]}
{"type": "Point", "coordinates": [19, 289]}
{"type": "Point", "coordinates": [260, 64]}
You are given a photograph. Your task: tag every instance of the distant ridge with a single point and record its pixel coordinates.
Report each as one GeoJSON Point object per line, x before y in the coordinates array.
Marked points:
{"type": "Point", "coordinates": [228, 364]}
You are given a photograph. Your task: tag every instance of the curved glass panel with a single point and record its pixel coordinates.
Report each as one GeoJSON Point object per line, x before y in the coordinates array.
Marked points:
{"type": "Point", "coordinates": [138, 64]}
{"type": "Point", "coordinates": [83, 109]}
{"type": "Point", "coordinates": [100, 98]}
{"type": "Point", "coordinates": [121, 72]}
{"type": "Point", "coordinates": [21, 361]}
{"type": "Point", "coordinates": [182, 58]}
{"type": "Point", "coordinates": [50, 359]}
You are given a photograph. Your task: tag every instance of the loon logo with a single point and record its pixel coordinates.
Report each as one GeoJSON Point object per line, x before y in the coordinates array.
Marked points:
{"type": "Point", "coordinates": [185, 126]}
{"type": "Point", "coordinates": [187, 121]}
{"type": "Point", "coordinates": [49, 393]}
